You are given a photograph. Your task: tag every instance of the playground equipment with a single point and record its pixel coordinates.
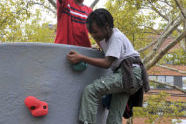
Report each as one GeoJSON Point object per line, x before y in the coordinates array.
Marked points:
{"type": "Point", "coordinates": [42, 70]}
{"type": "Point", "coordinates": [80, 66]}
{"type": "Point", "coordinates": [36, 107]}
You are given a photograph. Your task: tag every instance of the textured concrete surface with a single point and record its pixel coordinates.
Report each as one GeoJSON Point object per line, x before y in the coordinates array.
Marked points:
{"type": "Point", "coordinates": [41, 70]}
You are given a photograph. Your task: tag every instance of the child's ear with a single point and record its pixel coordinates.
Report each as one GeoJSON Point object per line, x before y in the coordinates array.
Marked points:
{"type": "Point", "coordinates": [107, 27]}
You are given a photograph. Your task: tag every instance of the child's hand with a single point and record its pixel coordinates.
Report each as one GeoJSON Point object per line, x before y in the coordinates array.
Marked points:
{"type": "Point", "coordinates": [74, 57]}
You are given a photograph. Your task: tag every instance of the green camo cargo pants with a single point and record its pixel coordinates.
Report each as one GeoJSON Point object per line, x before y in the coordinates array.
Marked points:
{"type": "Point", "coordinates": [111, 84]}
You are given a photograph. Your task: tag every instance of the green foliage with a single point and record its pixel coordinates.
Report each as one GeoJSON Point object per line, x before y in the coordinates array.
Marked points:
{"type": "Point", "coordinates": [18, 23]}
{"type": "Point", "coordinates": [36, 32]}
{"type": "Point", "coordinates": [176, 57]}
{"type": "Point", "coordinates": [131, 20]}
{"type": "Point", "coordinates": [158, 107]}
{"type": "Point", "coordinates": [12, 13]}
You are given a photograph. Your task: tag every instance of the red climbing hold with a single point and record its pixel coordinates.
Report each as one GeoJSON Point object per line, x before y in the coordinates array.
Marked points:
{"type": "Point", "coordinates": [36, 107]}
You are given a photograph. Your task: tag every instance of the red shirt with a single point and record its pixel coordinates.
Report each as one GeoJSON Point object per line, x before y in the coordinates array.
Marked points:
{"type": "Point", "coordinates": [71, 23]}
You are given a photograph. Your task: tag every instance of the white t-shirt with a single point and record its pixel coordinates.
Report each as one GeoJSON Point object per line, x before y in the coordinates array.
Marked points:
{"type": "Point", "coordinates": [118, 46]}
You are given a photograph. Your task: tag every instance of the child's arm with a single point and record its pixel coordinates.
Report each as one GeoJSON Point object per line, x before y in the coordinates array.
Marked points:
{"type": "Point", "coordinates": [75, 57]}
{"type": "Point", "coordinates": [60, 1]}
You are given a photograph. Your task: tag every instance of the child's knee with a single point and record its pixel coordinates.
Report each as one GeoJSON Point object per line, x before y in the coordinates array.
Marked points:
{"type": "Point", "coordinates": [91, 91]}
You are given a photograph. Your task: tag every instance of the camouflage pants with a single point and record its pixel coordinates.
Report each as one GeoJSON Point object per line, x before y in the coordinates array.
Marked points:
{"type": "Point", "coordinates": [111, 84]}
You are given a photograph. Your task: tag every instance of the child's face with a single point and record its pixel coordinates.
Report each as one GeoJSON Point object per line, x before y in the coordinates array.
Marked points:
{"type": "Point", "coordinates": [98, 33]}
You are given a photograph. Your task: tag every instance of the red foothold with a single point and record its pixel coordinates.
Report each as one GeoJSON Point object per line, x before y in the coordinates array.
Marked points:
{"type": "Point", "coordinates": [36, 107]}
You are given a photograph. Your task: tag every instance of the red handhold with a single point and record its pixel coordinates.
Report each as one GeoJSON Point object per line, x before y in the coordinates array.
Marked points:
{"type": "Point", "coordinates": [36, 107]}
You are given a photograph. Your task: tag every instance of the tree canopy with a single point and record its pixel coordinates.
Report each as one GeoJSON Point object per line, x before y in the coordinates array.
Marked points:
{"type": "Point", "coordinates": [19, 23]}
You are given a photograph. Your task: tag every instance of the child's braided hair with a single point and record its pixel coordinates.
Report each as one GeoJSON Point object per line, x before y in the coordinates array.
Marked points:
{"type": "Point", "coordinates": [101, 17]}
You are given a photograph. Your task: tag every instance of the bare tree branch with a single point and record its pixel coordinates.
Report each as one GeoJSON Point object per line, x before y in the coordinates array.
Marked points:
{"type": "Point", "coordinates": [53, 3]}
{"type": "Point", "coordinates": [148, 46]}
{"type": "Point", "coordinates": [156, 58]}
{"type": "Point", "coordinates": [165, 1]}
{"type": "Point", "coordinates": [41, 4]}
{"type": "Point", "coordinates": [181, 9]}
{"type": "Point", "coordinates": [163, 16]}
{"type": "Point", "coordinates": [94, 3]}
{"type": "Point", "coordinates": [172, 69]}
{"type": "Point", "coordinates": [154, 8]}
{"type": "Point", "coordinates": [166, 84]}
{"type": "Point", "coordinates": [154, 30]}
{"type": "Point", "coordinates": [162, 39]}
{"type": "Point", "coordinates": [155, 41]}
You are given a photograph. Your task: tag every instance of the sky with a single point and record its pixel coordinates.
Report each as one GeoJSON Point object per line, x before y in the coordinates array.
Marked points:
{"type": "Point", "coordinates": [99, 4]}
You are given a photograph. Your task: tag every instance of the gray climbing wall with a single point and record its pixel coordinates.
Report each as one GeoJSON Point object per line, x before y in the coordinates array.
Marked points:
{"type": "Point", "coordinates": [41, 70]}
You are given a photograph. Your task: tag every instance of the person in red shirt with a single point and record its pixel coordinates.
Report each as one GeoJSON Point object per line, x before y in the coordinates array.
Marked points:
{"type": "Point", "coordinates": [71, 23]}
